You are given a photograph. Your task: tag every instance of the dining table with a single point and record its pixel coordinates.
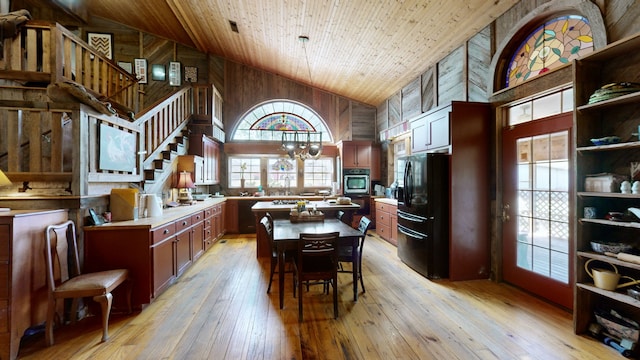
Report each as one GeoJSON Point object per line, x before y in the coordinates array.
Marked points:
{"type": "Point", "coordinates": [286, 235]}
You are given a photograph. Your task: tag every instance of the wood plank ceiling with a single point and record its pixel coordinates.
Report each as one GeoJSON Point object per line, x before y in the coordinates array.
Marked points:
{"type": "Point", "coordinates": [365, 50]}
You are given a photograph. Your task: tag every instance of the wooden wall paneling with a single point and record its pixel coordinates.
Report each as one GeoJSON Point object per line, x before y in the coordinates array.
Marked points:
{"type": "Point", "coordinates": [245, 87]}
{"type": "Point", "coordinates": [428, 89]}
{"type": "Point", "coordinates": [450, 77]}
{"type": "Point", "coordinates": [479, 57]}
{"type": "Point", "coordinates": [157, 51]}
{"type": "Point", "coordinates": [395, 109]}
{"type": "Point", "coordinates": [621, 18]}
{"type": "Point", "coordinates": [362, 122]}
{"type": "Point", "coordinates": [344, 121]}
{"type": "Point", "coordinates": [382, 116]}
{"type": "Point", "coordinates": [411, 100]}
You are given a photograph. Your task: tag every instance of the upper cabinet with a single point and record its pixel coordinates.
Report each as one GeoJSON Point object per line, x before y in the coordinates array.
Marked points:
{"type": "Point", "coordinates": [209, 150]}
{"type": "Point", "coordinates": [430, 131]}
{"type": "Point", "coordinates": [609, 112]}
{"type": "Point", "coordinates": [355, 154]}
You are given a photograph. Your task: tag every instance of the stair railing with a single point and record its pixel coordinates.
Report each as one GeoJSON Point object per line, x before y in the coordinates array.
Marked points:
{"type": "Point", "coordinates": [45, 53]}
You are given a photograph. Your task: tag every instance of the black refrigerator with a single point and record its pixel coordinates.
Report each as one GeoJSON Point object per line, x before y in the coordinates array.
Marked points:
{"type": "Point", "coordinates": [423, 214]}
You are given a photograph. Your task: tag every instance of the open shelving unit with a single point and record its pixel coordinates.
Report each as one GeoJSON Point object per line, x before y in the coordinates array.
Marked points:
{"type": "Point", "coordinates": [620, 116]}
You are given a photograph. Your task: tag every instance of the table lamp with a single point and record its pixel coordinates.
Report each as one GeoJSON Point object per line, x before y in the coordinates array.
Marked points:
{"type": "Point", "coordinates": [4, 181]}
{"type": "Point", "coordinates": [185, 185]}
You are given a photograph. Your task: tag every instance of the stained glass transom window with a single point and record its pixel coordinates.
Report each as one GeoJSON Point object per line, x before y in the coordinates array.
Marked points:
{"type": "Point", "coordinates": [551, 45]}
{"type": "Point", "coordinates": [266, 121]}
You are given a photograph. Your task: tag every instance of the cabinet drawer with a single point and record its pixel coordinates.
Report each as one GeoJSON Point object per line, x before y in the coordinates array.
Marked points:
{"type": "Point", "coordinates": [383, 218]}
{"type": "Point", "coordinates": [163, 232]}
{"type": "Point", "coordinates": [380, 206]}
{"type": "Point", "coordinates": [208, 212]}
{"type": "Point", "coordinates": [207, 222]}
{"type": "Point", "coordinates": [384, 231]}
{"type": "Point", "coordinates": [196, 218]}
{"type": "Point", "coordinates": [183, 224]}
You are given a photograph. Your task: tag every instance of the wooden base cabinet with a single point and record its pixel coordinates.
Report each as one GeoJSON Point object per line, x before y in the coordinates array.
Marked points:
{"type": "Point", "coordinates": [616, 116]}
{"type": "Point", "coordinates": [155, 250]}
{"type": "Point", "coordinates": [387, 221]}
{"type": "Point", "coordinates": [23, 283]}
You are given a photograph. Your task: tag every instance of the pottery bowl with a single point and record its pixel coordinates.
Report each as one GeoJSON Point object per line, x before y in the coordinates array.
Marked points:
{"type": "Point", "coordinates": [602, 247]}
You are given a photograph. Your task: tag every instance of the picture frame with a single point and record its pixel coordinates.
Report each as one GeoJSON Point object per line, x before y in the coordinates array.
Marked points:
{"type": "Point", "coordinates": [190, 74]}
{"type": "Point", "coordinates": [117, 149]}
{"type": "Point", "coordinates": [158, 72]}
{"type": "Point", "coordinates": [174, 73]}
{"type": "Point", "coordinates": [102, 42]}
{"type": "Point", "coordinates": [141, 70]}
{"type": "Point", "coordinates": [126, 66]}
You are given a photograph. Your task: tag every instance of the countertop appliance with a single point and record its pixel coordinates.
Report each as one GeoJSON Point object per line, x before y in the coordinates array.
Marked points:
{"type": "Point", "coordinates": [423, 214]}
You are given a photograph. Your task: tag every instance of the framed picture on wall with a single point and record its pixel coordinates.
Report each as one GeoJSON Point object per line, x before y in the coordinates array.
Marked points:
{"type": "Point", "coordinates": [158, 72]}
{"type": "Point", "coordinates": [102, 42]}
{"type": "Point", "coordinates": [141, 70]}
{"type": "Point", "coordinates": [118, 149]}
{"type": "Point", "coordinates": [174, 73]}
{"type": "Point", "coordinates": [126, 66]}
{"type": "Point", "coordinates": [190, 74]}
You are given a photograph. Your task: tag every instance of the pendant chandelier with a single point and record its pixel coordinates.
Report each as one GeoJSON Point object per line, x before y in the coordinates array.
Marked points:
{"type": "Point", "coordinates": [302, 144]}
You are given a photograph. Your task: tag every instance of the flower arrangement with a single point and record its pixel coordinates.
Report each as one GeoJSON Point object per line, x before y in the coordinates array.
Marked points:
{"type": "Point", "coordinates": [243, 168]}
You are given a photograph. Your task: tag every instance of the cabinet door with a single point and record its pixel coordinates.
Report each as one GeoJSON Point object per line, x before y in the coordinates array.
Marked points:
{"type": "Point", "coordinates": [419, 135]}
{"type": "Point", "coordinates": [198, 240]}
{"type": "Point", "coordinates": [439, 130]}
{"type": "Point", "coordinates": [349, 156]}
{"type": "Point", "coordinates": [183, 251]}
{"type": "Point", "coordinates": [393, 229]}
{"type": "Point", "coordinates": [232, 216]}
{"type": "Point", "coordinates": [363, 156]}
{"type": "Point", "coordinates": [163, 266]}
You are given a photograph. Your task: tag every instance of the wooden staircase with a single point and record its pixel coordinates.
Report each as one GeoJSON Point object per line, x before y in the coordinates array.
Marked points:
{"type": "Point", "coordinates": [161, 168]}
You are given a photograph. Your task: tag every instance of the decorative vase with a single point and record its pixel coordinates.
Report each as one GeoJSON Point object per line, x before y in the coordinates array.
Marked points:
{"type": "Point", "coordinates": [242, 184]}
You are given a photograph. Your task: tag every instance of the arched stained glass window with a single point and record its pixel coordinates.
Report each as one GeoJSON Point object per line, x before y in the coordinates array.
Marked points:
{"type": "Point", "coordinates": [551, 45]}
{"type": "Point", "coordinates": [266, 121]}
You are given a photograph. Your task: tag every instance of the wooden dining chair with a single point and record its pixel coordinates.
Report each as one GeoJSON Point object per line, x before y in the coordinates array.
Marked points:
{"type": "Point", "coordinates": [65, 281]}
{"type": "Point", "coordinates": [317, 260]}
{"type": "Point", "coordinates": [346, 255]}
{"type": "Point", "coordinates": [266, 227]}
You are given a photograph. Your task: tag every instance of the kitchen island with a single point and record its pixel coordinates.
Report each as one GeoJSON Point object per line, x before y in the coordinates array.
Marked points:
{"type": "Point", "coordinates": [281, 209]}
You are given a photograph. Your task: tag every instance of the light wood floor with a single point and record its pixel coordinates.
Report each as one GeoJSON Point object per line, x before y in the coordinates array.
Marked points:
{"type": "Point", "coordinates": [219, 309]}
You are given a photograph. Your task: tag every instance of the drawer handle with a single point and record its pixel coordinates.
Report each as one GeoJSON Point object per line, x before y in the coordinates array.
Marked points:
{"type": "Point", "coordinates": [166, 231]}
{"type": "Point", "coordinates": [184, 223]}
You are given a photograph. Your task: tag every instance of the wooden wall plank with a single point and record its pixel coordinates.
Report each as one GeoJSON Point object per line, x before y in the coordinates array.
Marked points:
{"type": "Point", "coordinates": [411, 99]}
{"type": "Point", "coordinates": [479, 57]}
{"type": "Point", "coordinates": [395, 109]}
{"type": "Point", "coordinates": [382, 118]}
{"type": "Point", "coordinates": [450, 77]}
{"type": "Point", "coordinates": [428, 90]}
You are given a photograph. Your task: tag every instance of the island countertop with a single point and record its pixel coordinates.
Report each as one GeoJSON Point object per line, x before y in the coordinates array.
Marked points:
{"type": "Point", "coordinates": [263, 206]}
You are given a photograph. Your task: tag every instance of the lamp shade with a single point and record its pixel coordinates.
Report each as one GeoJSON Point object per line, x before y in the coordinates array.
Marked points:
{"type": "Point", "coordinates": [4, 180]}
{"type": "Point", "coordinates": [184, 181]}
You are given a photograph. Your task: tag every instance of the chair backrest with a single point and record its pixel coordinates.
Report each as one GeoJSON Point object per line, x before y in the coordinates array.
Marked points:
{"type": "Point", "coordinates": [266, 226]}
{"type": "Point", "coordinates": [268, 216]}
{"type": "Point", "coordinates": [364, 225]}
{"type": "Point", "coordinates": [59, 239]}
{"type": "Point", "coordinates": [313, 245]}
